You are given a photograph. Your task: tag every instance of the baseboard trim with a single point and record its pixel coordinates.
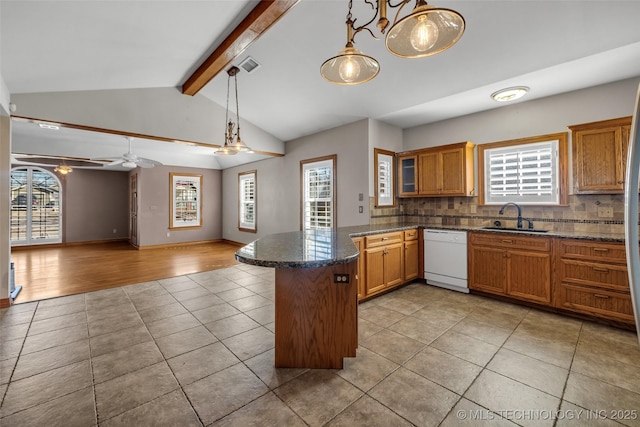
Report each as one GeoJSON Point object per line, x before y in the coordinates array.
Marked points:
{"type": "Point", "coordinates": [5, 302]}
{"type": "Point", "coordinates": [64, 244]}
{"type": "Point", "coordinates": [234, 243]}
{"type": "Point", "coordinates": [177, 244]}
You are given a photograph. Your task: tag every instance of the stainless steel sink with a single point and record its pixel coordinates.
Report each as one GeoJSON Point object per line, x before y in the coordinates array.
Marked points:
{"type": "Point", "coordinates": [521, 230]}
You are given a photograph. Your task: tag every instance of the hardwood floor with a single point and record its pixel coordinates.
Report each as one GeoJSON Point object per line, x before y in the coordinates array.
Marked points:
{"type": "Point", "coordinates": [47, 272]}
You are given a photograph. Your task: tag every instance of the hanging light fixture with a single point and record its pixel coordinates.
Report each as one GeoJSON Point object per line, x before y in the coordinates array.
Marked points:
{"type": "Point", "coordinates": [232, 141]}
{"type": "Point", "coordinates": [63, 169]}
{"type": "Point", "coordinates": [426, 31]}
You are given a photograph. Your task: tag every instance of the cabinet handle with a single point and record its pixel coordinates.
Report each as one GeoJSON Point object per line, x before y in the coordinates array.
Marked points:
{"type": "Point", "coordinates": [601, 270]}
{"type": "Point", "coordinates": [601, 296]}
{"type": "Point", "coordinates": [600, 250]}
{"type": "Point", "coordinates": [507, 241]}
{"type": "Point", "coordinates": [385, 238]}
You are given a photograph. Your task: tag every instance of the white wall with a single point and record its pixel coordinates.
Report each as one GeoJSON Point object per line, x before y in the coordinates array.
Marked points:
{"type": "Point", "coordinates": [279, 182]}
{"type": "Point", "coordinates": [537, 117]}
{"type": "Point", "coordinates": [154, 207]}
{"type": "Point", "coordinates": [163, 112]}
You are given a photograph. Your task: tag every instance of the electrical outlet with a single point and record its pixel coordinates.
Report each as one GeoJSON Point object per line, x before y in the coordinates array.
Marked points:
{"type": "Point", "coordinates": [605, 212]}
{"type": "Point", "coordinates": [115, 231]}
{"type": "Point", "coordinates": [340, 278]}
{"type": "Point", "coordinates": [360, 197]}
{"type": "Point", "coordinates": [360, 209]}
{"type": "Point", "coordinates": [168, 234]}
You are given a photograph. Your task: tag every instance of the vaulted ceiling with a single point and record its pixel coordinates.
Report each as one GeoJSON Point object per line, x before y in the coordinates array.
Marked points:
{"type": "Point", "coordinates": [550, 46]}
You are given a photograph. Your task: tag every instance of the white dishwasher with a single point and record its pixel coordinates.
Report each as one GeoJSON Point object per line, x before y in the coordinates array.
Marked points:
{"type": "Point", "coordinates": [445, 259]}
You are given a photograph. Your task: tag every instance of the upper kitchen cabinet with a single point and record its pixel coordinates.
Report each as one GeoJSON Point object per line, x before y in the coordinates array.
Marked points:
{"type": "Point", "coordinates": [407, 175]}
{"type": "Point", "coordinates": [599, 156]}
{"type": "Point", "coordinates": [438, 171]}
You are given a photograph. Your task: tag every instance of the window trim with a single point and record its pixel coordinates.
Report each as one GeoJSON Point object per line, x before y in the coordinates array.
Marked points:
{"type": "Point", "coordinates": [563, 169]}
{"type": "Point", "coordinates": [381, 152]}
{"type": "Point", "coordinates": [333, 158]}
{"type": "Point", "coordinates": [196, 181]}
{"type": "Point", "coordinates": [241, 226]}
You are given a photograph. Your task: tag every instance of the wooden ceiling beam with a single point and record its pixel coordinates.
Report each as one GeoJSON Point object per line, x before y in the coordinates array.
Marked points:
{"type": "Point", "coordinates": [260, 19]}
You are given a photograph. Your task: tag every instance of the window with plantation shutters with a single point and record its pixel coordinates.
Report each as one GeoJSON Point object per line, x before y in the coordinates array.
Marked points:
{"type": "Point", "coordinates": [524, 172]}
{"type": "Point", "coordinates": [384, 176]}
{"type": "Point", "coordinates": [247, 187]}
{"type": "Point", "coordinates": [318, 194]}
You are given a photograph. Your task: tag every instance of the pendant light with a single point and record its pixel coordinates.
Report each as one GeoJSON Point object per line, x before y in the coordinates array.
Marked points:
{"type": "Point", "coordinates": [233, 143]}
{"type": "Point", "coordinates": [350, 66]}
{"type": "Point", "coordinates": [428, 30]}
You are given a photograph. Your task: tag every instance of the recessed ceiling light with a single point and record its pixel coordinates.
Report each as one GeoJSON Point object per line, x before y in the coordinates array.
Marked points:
{"type": "Point", "coordinates": [510, 93]}
{"type": "Point", "coordinates": [48, 126]}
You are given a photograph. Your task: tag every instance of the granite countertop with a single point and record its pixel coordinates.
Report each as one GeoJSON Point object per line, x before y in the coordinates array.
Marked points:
{"type": "Point", "coordinates": [320, 248]}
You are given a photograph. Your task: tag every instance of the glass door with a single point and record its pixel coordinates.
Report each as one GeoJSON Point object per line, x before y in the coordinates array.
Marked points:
{"type": "Point", "coordinates": [35, 207]}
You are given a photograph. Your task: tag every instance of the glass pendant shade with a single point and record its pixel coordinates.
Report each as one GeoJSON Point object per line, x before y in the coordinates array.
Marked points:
{"type": "Point", "coordinates": [426, 31]}
{"type": "Point", "coordinates": [350, 67]}
{"type": "Point", "coordinates": [239, 147]}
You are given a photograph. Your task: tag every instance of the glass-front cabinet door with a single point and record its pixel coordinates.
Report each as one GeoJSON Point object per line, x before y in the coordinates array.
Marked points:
{"type": "Point", "coordinates": [407, 175]}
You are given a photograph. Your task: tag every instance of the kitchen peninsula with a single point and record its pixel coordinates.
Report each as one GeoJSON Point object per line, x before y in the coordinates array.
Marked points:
{"type": "Point", "coordinates": [316, 313]}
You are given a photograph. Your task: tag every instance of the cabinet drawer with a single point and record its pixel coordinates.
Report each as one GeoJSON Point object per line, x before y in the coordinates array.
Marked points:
{"type": "Point", "coordinates": [410, 234]}
{"type": "Point", "coordinates": [511, 241]}
{"type": "Point", "coordinates": [383, 239]}
{"type": "Point", "coordinates": [594, 301]}
{"type": "Point", "coordinates": [610, 276]}
{"type": "Point", "coordinates": [611, 252]}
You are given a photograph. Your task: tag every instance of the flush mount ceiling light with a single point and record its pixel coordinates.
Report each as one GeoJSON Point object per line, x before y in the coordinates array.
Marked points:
{"type": "Point", "coordinates": [510, 93]}
{"type": "Point", "coordinates": [232, 142]}
{"type": "Point", "coordinates": [63, 169]}
{"type": "Point", "coordinates": [426, 31]}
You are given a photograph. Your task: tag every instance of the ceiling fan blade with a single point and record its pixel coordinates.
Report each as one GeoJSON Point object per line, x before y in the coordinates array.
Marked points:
{"type": "Point", "coordinates": [114, 163]}
{"type": "Point", "coordinates": [102, 159]}
{"type": "Point", "coordinates": [147, 163]}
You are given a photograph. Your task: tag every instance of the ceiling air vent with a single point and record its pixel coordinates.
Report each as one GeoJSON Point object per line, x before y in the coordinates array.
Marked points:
{"type": "Point", "coordinates": [249, 64]}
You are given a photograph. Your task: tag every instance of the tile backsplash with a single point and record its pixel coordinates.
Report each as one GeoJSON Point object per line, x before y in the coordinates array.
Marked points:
{"type": "Point", "coordinates": [580, 216]}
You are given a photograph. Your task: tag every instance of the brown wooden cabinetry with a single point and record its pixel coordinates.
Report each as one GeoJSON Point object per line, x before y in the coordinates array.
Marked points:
{"type": "Point", "coordinates": [592, 279]}
{"type": "Point", "coordinates": [510, 264]}
{"type": "Point", "coordinates": [383, 261]}
{"type": "Point", "coordinates": [411, 255]}
{"type": "Point", "coordinates": [387, 260]}
{"type": "Point", "coordinates": [437, 172]}
{"type": "Point", "coordinates": [359, 242]}
{"type": "Point", "coordinates": [599, 156]}
{"type": "Point", "coordinates": [407, 175]}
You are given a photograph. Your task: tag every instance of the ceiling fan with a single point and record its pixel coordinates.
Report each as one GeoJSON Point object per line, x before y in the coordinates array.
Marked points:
{"type": "Point", "coordinates": [130, 160]}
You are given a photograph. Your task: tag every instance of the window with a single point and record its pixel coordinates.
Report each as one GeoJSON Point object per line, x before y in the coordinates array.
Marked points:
{"type": "Point", "coordinates": [527, 171]}
{"type": "Point", "coordinates": [247, 201]}
{"type": "Point", "coordinates": [318, 211]}
{"type": "Point", "coordinates": [36, 214]}
{"type": "Point", "coordinates": [186, 200]}
{"type": "Point", "coordinates": [384, 177]}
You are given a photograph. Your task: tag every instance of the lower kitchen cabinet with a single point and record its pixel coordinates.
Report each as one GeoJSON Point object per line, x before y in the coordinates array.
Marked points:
{"type": "Point", "coordinates": [387, 260]}
{"type": "Point", "coordinates": [359, 242]}
{"type": "Point", "coordinates": [511, 265]}
{"type": "Point", "coordinates": [592, 279]}
{"type": "Point", "coordinates": [411, 254]}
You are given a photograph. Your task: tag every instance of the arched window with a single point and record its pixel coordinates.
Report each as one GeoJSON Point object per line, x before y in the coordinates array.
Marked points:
{"type": "Point", "coordinates": [36, 214]}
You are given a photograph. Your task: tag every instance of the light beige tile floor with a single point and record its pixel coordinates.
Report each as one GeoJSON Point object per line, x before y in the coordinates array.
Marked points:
{"type": "Point", "coordinates": [198, 350]}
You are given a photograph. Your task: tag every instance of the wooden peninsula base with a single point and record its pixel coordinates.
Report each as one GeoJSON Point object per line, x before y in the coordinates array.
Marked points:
{"type": "Point", "coordinates": [316, 321]}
